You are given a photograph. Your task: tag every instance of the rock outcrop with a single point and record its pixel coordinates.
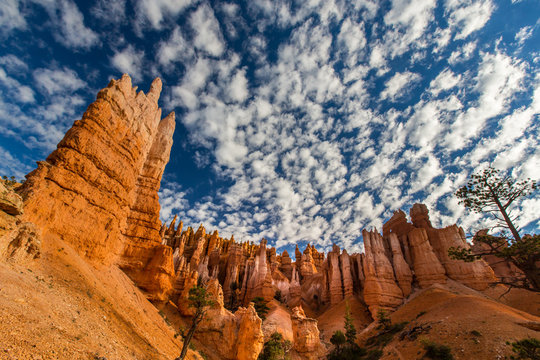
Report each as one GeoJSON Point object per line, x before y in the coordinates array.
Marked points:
{"type": "Point", "coordinates": [98, 190]}
{"type": "Point", "coordinates": [502, 268]}
{"type": "Point", "coordinates": [404, 257]}
{"type": "Point", "coordinates": [427, 267]}
{"type": "Point", "coordinates": [232, 336]}
{"type": "Point", "coordinates": [306, 341]}
{"type": "Point", "coordinates": [19, 240]}
{"type": "Point", "coordinates": [11, 207]}
{"type": "Point", "coordinates": [380, 288]}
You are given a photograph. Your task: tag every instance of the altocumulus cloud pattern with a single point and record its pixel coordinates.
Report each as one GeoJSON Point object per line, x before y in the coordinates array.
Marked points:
{"type": "Point", "coordinates": [298, 121]}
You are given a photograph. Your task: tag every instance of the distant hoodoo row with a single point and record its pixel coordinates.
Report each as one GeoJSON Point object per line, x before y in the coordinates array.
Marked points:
{"type": "Point", "coordinates": [406, 255]}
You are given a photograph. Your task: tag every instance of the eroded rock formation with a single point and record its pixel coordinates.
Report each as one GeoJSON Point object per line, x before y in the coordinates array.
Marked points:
{"type": "Point", "coordinates": [232, 336]}
{"type": "Point", "coordinates": [306, 341]}
{"type": "Point", "coordinates": [98, 190]}
{"type": "Point", "coordinates": [405, 256]}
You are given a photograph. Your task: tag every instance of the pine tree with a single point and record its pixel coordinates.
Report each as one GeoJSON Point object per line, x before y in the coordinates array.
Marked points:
{"type": "Point", "coordinates": [350, 329]}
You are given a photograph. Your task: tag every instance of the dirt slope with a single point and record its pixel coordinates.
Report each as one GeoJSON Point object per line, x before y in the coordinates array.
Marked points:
{"type": "Point", "coordinates": [473, 325]}
{"type": "Point", "coordinates": [59, 307]}
{"type": "Point", "coordinates": [333, 318]}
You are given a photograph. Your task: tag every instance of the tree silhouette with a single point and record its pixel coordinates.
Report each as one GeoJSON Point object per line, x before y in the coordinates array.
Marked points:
{"type": "Point", "coordinates": [200, 300]}
{"type": "Point", "coordinates": [490, 192]}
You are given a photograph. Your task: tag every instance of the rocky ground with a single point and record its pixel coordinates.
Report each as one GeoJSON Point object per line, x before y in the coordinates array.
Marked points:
{"type": "Point", "coordinates": [59, 307]}
{"type": "Point", "coordinates": [472, 324]}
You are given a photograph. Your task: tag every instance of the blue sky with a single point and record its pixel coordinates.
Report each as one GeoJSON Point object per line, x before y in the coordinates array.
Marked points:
{"type": "Point", "coordinates": [298, 121]}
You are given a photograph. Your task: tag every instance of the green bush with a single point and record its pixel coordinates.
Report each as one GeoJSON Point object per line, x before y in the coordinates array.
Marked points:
{"type": "Point", "coordinates": [383, 319]}
{"type": "Point", "coordinates": [278, 296]}
{"type": "Point", "coordinates": [526, 349]}
{"type": "Point", "coordinates": [374, 354]}
{"type": "Point", "coordinates": [436, 351]}
{"type": "Point", "coordinates": [276, 348]}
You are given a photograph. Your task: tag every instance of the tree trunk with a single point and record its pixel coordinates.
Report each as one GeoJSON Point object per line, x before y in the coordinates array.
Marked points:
{"type": "Point", "coordinates": [187, 339]}
{"type": "Point", "coordinates": [505, 215]}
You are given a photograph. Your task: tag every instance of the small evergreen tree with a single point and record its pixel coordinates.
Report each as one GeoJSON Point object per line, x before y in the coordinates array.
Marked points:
{"type": "Point", "coordinates": [261, 306]}
{"type": "Point", "coordinates": [383, 320]}
{"type": "Point", "coordinates": [350, 329]}
{"type": "Point", "coordinates": [200, 300]}
{"type": "Point", "coordinates": [338, 339]}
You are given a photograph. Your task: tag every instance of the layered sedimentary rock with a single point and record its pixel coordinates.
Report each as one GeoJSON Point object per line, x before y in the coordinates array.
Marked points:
{"type": "Point", "coordinates": [98, 190]}
{"type": "Point", "coordinates": [402, 271]}
{"type": "Point", "coordinates": [427, 267]}
{"type": "Point", "coordinates": [404, 257]}
{"type": "Point", "coordinates": [380, 288]}
{"type": "Point", "coordinates": [334, 281]}
{"type": "Point", "coordinates": [11, 207]}
{"type": "Point", "coordinates": [306, 340]}
{"type": "Point", "coordinates": [232, 336]}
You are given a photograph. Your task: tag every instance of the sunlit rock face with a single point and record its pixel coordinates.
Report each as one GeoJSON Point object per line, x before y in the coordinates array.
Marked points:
{"type": "Point", "coordinates": [233, 336]}
{"type": "Point", "coordinates": [98, 190]}
{"type": "Point", "coordinates": [19, 241]}
{"type": "Point", "coordinates": [306, 341]}
{"type": "Point", "coordinates": [406, 256]}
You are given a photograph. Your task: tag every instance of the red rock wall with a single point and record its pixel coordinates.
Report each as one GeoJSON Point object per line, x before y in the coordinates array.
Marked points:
{"type": "Point", "coordinates": [98, 190]}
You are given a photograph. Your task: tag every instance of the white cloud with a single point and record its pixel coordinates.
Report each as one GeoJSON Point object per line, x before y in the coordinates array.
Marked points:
{"type": "Point", "coordinates": [110, 11]}
{"type": "Point", "coordinates": [129, 61]}
{"type": "Point", "coordinates": [155, 11]}
{"type": "Point", "coordinates": [399, 85]}
{"type": "Point", "coordinates": [409, 21]}
{"type": "Point", "coordinates": [499, 78]}
{"type": "Point", "coordinates": [444, 81]}
{"type": "Point", "coordinates": [55, 81]}
{"type": "Point", "coordinates": [523, 34]}
{"type": "Point", "coordinates": [462, 54]}
{"type": "Point", "coordinates": [207, 33]}
{"type": "Point", "coordinates": [468, 16]}
{"type": "Point", "coordinates": [11, 17]}
{"type": "Point", "coordinates": [73, 33]}
{"type": "Point", "coordinates": [174, 50]}
{"type": "Point", "coordinates": [20, 93]}
{"type": "Point", "coordinates": [238, 87]}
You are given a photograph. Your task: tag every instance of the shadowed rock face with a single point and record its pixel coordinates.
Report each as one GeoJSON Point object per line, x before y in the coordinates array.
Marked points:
{"type": "Point", "coordinates": [98, 190]}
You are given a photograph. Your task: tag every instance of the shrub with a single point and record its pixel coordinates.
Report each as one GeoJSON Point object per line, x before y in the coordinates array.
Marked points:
{"type": "Point", "coordinates": [278, 296]}
{"type": "Point", "coordinates": [526, 349]}
{"type": "Point", "coordinates": [436, 351]}
{"type": "Point", "coordinates": [276, 348]}
{"type": "Point", "coordinates": [383, 319]}
{"type": "Point", "coordinates": [374, 354]}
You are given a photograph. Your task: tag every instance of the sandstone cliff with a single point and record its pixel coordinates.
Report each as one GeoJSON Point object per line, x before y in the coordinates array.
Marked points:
{"type": "Point", "coordinates": [98, 190]}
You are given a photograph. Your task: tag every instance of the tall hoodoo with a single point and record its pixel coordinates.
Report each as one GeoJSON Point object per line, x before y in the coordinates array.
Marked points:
{"type": "Point", "coordinates": [98, 190]}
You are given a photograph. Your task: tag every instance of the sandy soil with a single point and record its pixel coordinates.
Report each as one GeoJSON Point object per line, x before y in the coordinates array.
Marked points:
{"type": "Point", "coordinates": [333, 318]}
{"type": "Point", "coordinates": [59, 307]}
{"type": "Point", "coordinates": [473, 325]}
